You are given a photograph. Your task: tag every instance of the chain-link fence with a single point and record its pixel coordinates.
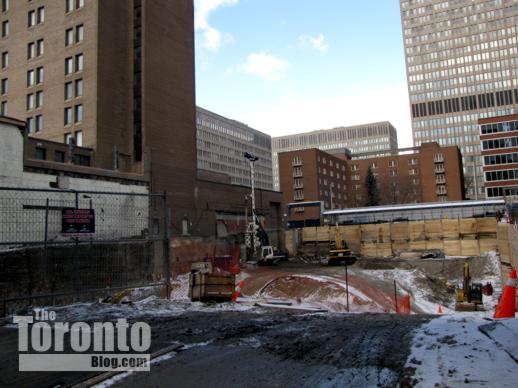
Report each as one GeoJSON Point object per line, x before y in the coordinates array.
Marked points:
{"type": "Point", "coordinates": [63, 245]}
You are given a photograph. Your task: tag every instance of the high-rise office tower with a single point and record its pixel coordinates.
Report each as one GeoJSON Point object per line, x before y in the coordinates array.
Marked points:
{"type": "Point", "coordinates": [462, 65]}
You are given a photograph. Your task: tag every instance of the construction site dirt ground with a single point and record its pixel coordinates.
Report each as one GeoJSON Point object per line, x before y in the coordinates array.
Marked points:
{"type": "Point", "coordinates": [274, 337]}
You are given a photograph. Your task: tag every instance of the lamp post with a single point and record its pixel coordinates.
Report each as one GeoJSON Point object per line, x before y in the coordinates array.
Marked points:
{"type": "Point", "coordinates": [251, 160]}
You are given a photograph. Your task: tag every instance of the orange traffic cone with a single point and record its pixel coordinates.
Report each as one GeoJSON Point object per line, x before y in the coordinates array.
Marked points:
{"type": "Point", "coordinates": [507, 306]}
{"type": "Point", "coordinates": [440, 310]}
{"type": "Point", "coordinates": [238, 290]}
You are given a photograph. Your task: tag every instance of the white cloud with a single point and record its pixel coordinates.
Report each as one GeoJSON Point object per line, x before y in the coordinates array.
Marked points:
{"type": "Point", "coordinates": [212, 39]}
{"type": "Point", "coordinates": [293, 113]}
{"type": "Point", "coordinates": [266, 66]}
{"type": "Point", "coordinates": [318, 42]}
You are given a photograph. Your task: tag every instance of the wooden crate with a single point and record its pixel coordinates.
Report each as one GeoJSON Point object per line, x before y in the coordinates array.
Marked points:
{"type": "Point", "coordinates": [205, 287]}
{"type": "Point", "coordinates": [417, 245]}
{"type": "Point", "coordinates": [434, 244]}
{"type": "Point", "coordinates": [383, 249]}
{"type": "Point", "coordinates": [452, 247]}
{"type": "Point", "coordinates": [468, 226]}
{"type": "Point", "coordinates": [433, 229]}
{"type": "Point", "coordinates": [369, 232]}
{"type": "Point", "coordinates": [487, 245]}
{"type": "Point", "coordinates": [416, 231]}
{"type": "Point", "coordinates": [486, 225]}
{"type": "Point", "coordinates": [399, 231]}
{"type": "Point", "coordinates": [469, 247]}
{"type": "Point", "coordinates": [450, 228]}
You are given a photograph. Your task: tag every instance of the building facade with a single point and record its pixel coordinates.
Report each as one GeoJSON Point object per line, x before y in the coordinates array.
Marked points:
{"type": "Point", "coordinates": [499, 144]}
{"type": "Point", "coordinates": [221, 144]}
{"type": "Point", "coordinates": [462, 66]}
{"type": "Point", "coordinates": [117, 78]}
{"type": "Point", "coordinates": [359, 138]}
{"type": "Point", "coordinates": [429, 173]}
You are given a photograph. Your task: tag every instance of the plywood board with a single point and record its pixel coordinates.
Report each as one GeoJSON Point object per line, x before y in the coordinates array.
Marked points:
{"type": "Point", "coordinates": [450, 228]}
{"type": "Point", "coordinates": [309, 234]}
{"type": "Point", "coordinates": [416, 231]}
{"type": "Point", "coordinates": [487, 245]}
{"type": "Point", "coordinates": [417, 245]}
{"type": "Point", "coordinates": [399, 231]}
{"type": "Point", "coordinates": [503, 231]}
{"type": "Point", "coordinates": [486, 225]}
{"type": "Point", "coordinates": [452, 247]}
{"type": "Point", "coordinates": [400, 246]}
{"type": "Point", "coordinates": [434, 244]}
{"type": "Point", "coordinates": [383, 233]}
{"type": "Point", "coordinates": [469, 247]}
{"type": "Point", "coordinates": [468, 226]}
{"type": "Point", "coordinates": [325, 233]}
{"type": "Point", "coordinates": [384, 249]}
{"type": "Point", "coordinates": [433, 229]}
{"type": "Point", "coordinates": [369, 232]}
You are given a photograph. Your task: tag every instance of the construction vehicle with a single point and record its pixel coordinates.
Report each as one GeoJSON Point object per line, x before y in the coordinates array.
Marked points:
{"type": "Point", "coordinates": [339, 251]}
{"type": "Point", "coordinates": [268, 254]}
{"type": "Point", "coordinates": [469, 297]}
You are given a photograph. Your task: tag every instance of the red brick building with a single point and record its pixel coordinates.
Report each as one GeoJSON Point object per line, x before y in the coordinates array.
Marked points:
{"type": "Point", "coordinates": [499, 145]}
{"type": "Point", "coordinates": [428, 173]}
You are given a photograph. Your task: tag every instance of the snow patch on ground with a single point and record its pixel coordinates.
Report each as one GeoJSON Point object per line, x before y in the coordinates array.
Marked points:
{"type": "Point", "coordinates": [451, 350]}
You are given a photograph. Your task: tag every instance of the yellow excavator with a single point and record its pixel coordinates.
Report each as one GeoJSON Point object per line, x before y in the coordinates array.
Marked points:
{"type": "Point", "coordinates": [469, 297]}
{"type": "Point", "coordinates": [339, 252]}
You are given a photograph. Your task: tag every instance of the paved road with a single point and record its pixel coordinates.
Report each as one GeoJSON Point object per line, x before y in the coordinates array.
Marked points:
{"type": "Point", "coordinates": [256, 349]}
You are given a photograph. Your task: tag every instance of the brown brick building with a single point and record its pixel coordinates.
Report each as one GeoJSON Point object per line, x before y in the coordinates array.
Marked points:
{"type": "Point", "coordinates": [117, 77]}
{"type": "Point", "coordinates": [428, 173]}
{"type": "Point", "coordinates": [499, 145]}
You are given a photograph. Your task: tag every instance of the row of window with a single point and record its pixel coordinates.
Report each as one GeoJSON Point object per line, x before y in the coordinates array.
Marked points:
{"type": "Point", "coordinates": [35, 49]}
{"type": "Point", "coordinates": [501, 191]}
{"type": "Point", "coordinates": [35, 124]}
{"type": "Point", "coordinates": [499, 127]}
{"type": "Point", "coordinates": [501, 159]}
{"type": "Point", "coordinates": [74, 64]}
{"type": "Point", "coordinates": [35, 16]}
{"type": "Point", "coordinates": [500, 143]}
{"type": "Point", "coordinates": [59, 156]}
{"type": "Point", "coordinates": [71, 5]}
{"type": "Point", "coordinates": [73, 114]}
{"type": "Point", "coordinates": [485, 100]}
{"type": "Point", "coordinates": [501, 175]}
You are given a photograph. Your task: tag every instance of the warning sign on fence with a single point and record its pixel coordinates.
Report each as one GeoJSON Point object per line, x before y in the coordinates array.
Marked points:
{"type": "Point", "coordinates": [77, 221]}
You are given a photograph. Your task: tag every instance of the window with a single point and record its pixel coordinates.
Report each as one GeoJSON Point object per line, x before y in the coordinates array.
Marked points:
{"type": "Point", "coordinates": [5, 59]}
{"type": "Point", "coordinates": [79, 88]}
{"type": "Point", "coordinates": [5, 5]}
{"type": "Point", "coordinates": [79, 62]}
{"type": "Point", "coordinates": [78, 113]}
{"type": "Point", "coordinates": [39, 75]}
{"type": "Point", "coordinates": [68, 116]}
{"type": "Point", "coordinates": [69, 65]}
{"type": "Point", "coordinates": [39, 123]}
{"type": "Point", "coordinates": [39, 99]}
{"type": "Point", "coordinates": [40, 47]}
{"type": "Point", "coordinates": [392, 163]}
{"type": "Point", "coordinates": [413, 162]}
{"type": "Point", "coordinates": [373, 165]}
{"type": "Point", "coordinates": [30, 124]}
{"type": "Point", "coordinates": [59, 156]}
{"type": "Point", "coordinates": [79, 138]}
{"type": "Point", "coordinates": [80, 31]}
{"type": "Point", "coordinates": [41, 153]}
{"type": "Point", "coordinates": [30, 78]}
{"type": "Point", "coordinates": [3, 108]}
{"type": "Point", "coordinates": [68, 91]}
{"type": "Point", "coordinates": [31, 18]}
{"type": "Point", "coordinates": [69, 37]}
{"type": "Point", "coordinates": [4, 86]}
{"type": "Point", "coordinates": [69, 139]}
{"type": "Point", "coordinates": [80, 4]}
{"type": "Point", "coordinates": [30, 101]}
{"type": "Point", "coordinates": [393, 172]}
{"type": "Point", "coordinates": [69, 5]}
{"type": "Point", "coordinates": [31, 50]}
{"type": "Point", "coordinates": [41, 15]}
{"type": "Point", "coordinates": [5, 28]}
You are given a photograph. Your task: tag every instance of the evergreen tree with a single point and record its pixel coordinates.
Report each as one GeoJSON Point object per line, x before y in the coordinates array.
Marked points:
{"type": "Point", "coordinates": [371, 185]}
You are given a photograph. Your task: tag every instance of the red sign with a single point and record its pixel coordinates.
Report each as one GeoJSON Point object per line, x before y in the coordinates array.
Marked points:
{"type": "Point", "coordinates": [77, 221]}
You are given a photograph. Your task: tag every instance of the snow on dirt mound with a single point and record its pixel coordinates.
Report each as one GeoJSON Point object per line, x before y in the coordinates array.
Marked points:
{"type": "Point", "coordinates": [321, 291]}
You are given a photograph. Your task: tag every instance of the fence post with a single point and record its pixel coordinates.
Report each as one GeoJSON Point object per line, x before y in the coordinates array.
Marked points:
{"type": "Point", "coordinates": [166, 247]}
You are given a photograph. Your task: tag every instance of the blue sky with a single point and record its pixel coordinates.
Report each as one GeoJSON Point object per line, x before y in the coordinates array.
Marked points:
{"type": "Point", "coordinates": [287, 66]}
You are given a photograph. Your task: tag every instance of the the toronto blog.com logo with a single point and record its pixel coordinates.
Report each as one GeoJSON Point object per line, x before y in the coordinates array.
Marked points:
{"type": "Point", "coordinates": [48, 345]}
